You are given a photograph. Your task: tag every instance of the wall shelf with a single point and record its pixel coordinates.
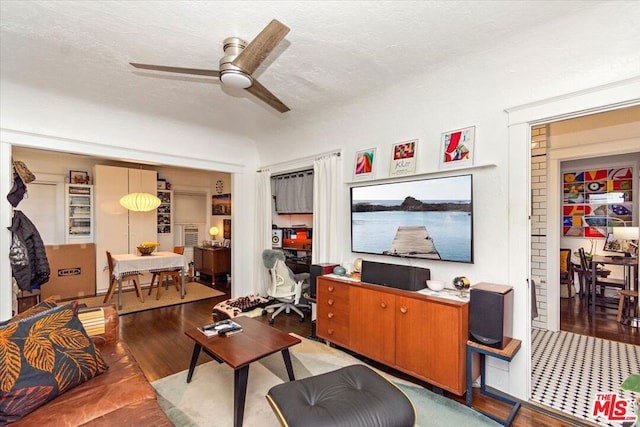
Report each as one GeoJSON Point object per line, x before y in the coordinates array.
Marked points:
{"type": "Point", "coordinates": [413, 176]}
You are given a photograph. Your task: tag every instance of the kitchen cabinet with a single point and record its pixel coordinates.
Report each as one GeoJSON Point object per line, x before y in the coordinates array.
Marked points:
{"type": "Point", "coordinates": [420, 335]}
{"type": "Point", "coordinates": [119, 230]}
{"type": "Point", "coordinates": [79, 213]}
{"type": "Point", "coordinates": [211, 262]}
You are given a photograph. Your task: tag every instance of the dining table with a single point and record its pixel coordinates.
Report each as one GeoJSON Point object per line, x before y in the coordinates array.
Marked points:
{"type": "Point", "coordinates": [630, 265]}
{"type": "Point", "coordinates": [156, 261]}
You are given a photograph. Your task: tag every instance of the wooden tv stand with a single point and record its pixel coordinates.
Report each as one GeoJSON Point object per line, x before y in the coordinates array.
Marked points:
{"type": "Point", "coordinates": [420, 335]}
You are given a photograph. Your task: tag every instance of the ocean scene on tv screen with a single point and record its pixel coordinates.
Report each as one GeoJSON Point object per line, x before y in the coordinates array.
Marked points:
{"type": "Point", "coordinates": [429, 219]}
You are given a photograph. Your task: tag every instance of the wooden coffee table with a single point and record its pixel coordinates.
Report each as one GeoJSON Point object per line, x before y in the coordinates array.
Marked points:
{"type": "Point", "coordinates": [256, 341]}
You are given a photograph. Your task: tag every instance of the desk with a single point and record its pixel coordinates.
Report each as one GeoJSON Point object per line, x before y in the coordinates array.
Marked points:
{"type": "Point", "coordinates": [628, 263]}
{"type": "Point", "coordinates": [128, 263]}
{"type": "Point", "coordinates": [507, 354]}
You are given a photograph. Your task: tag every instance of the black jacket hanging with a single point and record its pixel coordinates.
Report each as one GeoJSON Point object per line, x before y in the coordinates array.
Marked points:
{"type": "Point", "coordinates": [34, 271]}
{"type": "Point", "coordinates": [16, 194]}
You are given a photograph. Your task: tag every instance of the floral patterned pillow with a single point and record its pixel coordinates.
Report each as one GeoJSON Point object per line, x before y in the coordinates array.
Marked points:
{"type": "Point", "coordinates": [38, 308]}
{"type": "Point", "coordinates": [41, 357]}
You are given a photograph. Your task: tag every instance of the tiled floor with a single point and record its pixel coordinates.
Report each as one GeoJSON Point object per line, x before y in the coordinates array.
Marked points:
{"type": "Point", "coordinates": [569, 369]}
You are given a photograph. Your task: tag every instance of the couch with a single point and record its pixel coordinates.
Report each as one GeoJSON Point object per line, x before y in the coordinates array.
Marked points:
{"type": "Point", "coordinates": [119, 396]}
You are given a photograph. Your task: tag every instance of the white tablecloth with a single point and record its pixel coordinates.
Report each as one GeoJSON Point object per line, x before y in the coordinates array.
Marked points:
{"type": "Point", "coordinates": [128, 263]}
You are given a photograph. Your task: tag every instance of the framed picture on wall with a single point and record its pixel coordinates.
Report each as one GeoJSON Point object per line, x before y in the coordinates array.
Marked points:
{"type": "Point", "coordinates": [226, 228]}
{"type": "Point", "coordinates": [364, 164]}
{"type": "Point", "coordinates": [456, 148]}
{"type": "Point", "coordinates": [403, 158]}
{"type": "Point", "coordinates": [221, 204]}
{"type": "Point", "coordinates": [79, 177]}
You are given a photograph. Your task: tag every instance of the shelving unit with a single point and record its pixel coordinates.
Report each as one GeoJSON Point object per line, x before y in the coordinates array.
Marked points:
{"type": "Point", "coordinates": [164, 211]}
{"type": "Point", "coordinates": [79, 213]}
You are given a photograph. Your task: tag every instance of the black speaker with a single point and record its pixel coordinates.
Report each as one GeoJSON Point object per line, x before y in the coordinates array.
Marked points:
{"type": "Point", "coordinates": [395, 276]}
{"type": "Point", "coordinates": [491, 314]}
{"type": "Point", "coordinates": [316, 270]}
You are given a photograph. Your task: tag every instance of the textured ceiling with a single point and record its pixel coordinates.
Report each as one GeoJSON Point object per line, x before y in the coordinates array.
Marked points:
{"type": "Point", "coordinates": [336, 51]}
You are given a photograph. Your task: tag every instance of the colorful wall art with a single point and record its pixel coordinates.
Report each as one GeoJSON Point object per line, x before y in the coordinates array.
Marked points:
{"type": "Point", "coordinates": [596, 201]}
{"type": "Point", "coordinates": [403, 158]}
{"type": "Point", "coordinates": [457, 148]}
{"type": "Point", "coordinates": [364, 163]}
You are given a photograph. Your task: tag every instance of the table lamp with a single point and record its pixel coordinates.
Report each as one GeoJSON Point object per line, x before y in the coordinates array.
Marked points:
{"type": "Point", "coordinates": [214, 232]}
{"type": "Point", "coordinates": [629, 236]}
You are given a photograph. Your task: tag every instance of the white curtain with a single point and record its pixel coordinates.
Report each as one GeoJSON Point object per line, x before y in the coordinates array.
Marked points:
{"type": "Point", "coordinates": [327, 176]}
{"type": "Point", "coordinates": [263, 228]}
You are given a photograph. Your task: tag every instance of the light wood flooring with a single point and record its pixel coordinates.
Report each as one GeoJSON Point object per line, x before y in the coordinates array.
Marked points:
{"type": "Point", "coordinates": [157, 340]}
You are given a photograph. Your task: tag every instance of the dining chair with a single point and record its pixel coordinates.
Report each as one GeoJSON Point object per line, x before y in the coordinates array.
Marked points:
{"type": "Point", "coordinates": [174, 274]}
{"type": "Point", "coordinates": [131, 277]}
{"type": "Point", "coordinates": [602, 283]}
{"type": "Point", "coordinates": [566, 273]}
{"type": "Point", "coordinates": [626, 308]}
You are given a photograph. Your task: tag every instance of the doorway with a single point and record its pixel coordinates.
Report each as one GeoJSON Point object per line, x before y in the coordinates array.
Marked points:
{"type": "Point", "coordinates": [589, 142]}
{"type": "Point", "coordinates": [607, 139]}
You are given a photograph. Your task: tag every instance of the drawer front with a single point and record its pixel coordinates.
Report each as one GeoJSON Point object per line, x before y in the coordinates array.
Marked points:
{"type": "Point", "coordinates": [332, 317]}
{"type": "Point", "coordinates": [330, 289]}
{"type": "Point", "coordinates": [334, 332]}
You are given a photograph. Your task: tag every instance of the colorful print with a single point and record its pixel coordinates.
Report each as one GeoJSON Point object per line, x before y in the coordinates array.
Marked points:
{"type": "Point", "coordinates": [594, 201]}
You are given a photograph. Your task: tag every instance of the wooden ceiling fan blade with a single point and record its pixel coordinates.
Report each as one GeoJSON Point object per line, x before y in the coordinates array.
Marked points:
{"type": "Point", "coordinates": [196, 71]}
{"type": "Point", "coordinates": [263, 94]}
{"type": "Point", "coordinates": [257, 51]}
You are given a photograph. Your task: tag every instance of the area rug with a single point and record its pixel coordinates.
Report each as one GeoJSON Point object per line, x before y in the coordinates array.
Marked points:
{"type": "Point", "coordinates": [131, 303]}
{"type": "Point", "coordinates": [208, 399]}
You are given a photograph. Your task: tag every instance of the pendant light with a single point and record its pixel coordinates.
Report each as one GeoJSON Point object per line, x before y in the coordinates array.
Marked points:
{"type": "Point", "coordinates": [140, 202]}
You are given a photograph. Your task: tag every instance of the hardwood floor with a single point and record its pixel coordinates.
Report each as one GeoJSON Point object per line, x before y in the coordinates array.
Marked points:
{"type": "Point", "coordinates": [574, 317]}
{"type": "Point", "coordinates": [157, 340]}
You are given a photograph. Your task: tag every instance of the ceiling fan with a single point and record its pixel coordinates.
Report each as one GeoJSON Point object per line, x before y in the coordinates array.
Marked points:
{"type": "Point", "coordinates": [239, 62]}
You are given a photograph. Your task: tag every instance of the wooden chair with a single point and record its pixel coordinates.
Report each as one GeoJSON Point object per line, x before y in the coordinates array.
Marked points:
{"type": "Point", "coordinates": [135, 277]}
{"type": "Point", "coordinates": [566, 272]}
{"type": "Point", "coordinates": [625, 307]}
{"type": "Point", "coordinates": [164, 275]}
{"type": "Point", "coordinates": [602, 283]}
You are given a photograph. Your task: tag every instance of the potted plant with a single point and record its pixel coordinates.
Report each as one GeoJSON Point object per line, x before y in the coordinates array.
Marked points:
{"type": "Point", "coordinates": [632, 383]}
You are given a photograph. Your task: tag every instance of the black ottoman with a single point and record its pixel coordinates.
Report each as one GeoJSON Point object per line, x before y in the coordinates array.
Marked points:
{"type": "Point", "coordinates": [352, 396]}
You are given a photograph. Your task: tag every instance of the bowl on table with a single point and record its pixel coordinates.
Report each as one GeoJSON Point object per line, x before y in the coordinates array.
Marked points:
{"type": "Point", "coordinates": [435, 285]}
{"type": "Point", "coordinates": [146, 250]}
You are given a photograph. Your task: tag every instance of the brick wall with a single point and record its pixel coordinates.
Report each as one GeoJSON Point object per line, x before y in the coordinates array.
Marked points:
{"type": "Point", "coordinates": [539, 144]}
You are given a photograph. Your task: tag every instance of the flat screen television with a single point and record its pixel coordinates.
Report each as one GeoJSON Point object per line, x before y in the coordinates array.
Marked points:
{"type": "Point", "coordinates": [427, 218]}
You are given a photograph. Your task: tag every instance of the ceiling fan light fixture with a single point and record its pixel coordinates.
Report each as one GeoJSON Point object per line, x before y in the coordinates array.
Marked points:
{"type": "Point", "coordinates": [236, 79]}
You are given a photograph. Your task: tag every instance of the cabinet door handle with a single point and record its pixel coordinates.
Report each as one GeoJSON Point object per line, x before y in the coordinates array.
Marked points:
{"type": "Point", "coordinates": [330, 302]}
{"type": "Point", "coordinates": [330, 288]}
{"type": "Point", "coordinates": [403, 309]}
{"type": "Point", "coordinates": [383, 304]}
{"type": "Point", "coordinates": [330, 315]}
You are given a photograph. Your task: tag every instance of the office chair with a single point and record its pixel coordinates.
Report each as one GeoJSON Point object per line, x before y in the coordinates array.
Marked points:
{"type": "Point", "coordinates": [285, 286]}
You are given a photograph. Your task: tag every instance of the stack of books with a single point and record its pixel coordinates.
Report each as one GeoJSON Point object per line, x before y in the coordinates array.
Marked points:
{"type": "Point", "coordinates": [224, 328]}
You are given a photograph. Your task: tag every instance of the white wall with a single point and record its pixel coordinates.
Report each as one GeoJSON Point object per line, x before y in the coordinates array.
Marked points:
{"type": "Point", "coordinates": [567, 55]}
{"type": "Point", "coordinates": [44, 120]}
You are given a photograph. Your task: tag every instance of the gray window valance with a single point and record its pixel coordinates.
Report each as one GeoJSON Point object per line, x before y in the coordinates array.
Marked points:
{"type": "Point", "coordinates": [293, 192]}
